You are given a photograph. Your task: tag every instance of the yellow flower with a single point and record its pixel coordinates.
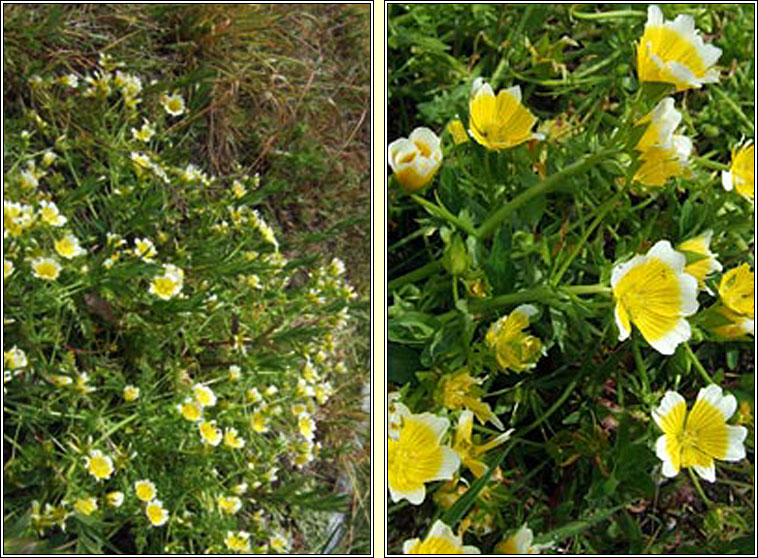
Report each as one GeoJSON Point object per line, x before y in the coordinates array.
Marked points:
{"type": "Point", "coordinates": [191, 410]}
{"type": "Point", "coordinates": [131, 393]}
{"type": "Point", "coordinates": [145, 133]}
{"type": "Point", "coordinates": [254, 395]}
{"type": "Point", "coordinates": [417, 457]}
{"type": "Point", "coordinates": [415, 159]}
{"type": "Point", "coordinates": [696, 438]}
{"type": "Point", "coordinates": [238, 190]}
{"type": "Point", "coordinates": [741, 175]}
{"type": "Point", "coordinates": [68, 247]}
{"type": "Point", "coordinates": [145, 490]}
{"type": "Point", "coordinates": [14, 358]}
{"type": "Point", "coordinates": [115, 499]}
{"type": "Point", "coordinates": [232, 439]}
{"type": "Point", "coordinates": [700, 245]}
{"type": "Point", "coordinates": [85, 506]}
{"type": "Point", "coordinates": [50, 214]}
{"type": "Point", "coordinates": [169, 284]}
{"type": "Point", "coordinates": [145, 249]}
{"type": "Point", "coordinates": [156, 513]}
{"type": "Point", "coordinates": [204, 395]}
{"type": "Point", "coordinates": [209, 434]}
{"type": "Point", "coordinates": [173, 104]}
{"type": "Point", "coordinates": [514, 349]}
{"type": "Point", "coordinates": [737, 290]}
{"type": "Point", "coordinates": [46, 268]}
{"type": "Point", "coordinates": [458, 390]}
{"type": "Point", "coordinates": [98, 465]}
{"type": "Point", "coordinates": [258, 422]}
{"type": "Point", "coordinates": [7, 268]}
{"type": "Point", "coordinates": [440, 540]}
{"type": "Point", "coordinates": [307, 426]}
{"type": "Point", "coordinates": [655, 293]}
{"type": "Point", "coordinates": [235, 373]}
{"type": "Point", "coordinates": [518, 543]}
{"type": "Point", "coordinates": [731, 325]}
{"type": "Point", "coordinates": [499, 122]}
{"type": "Point", "coordinates": [279, 543]}
{"type": "Point", "coordinates": [457, 131]}
{"type": "Point", "coordinates": [661, 162]}
{"type": "Point", "coordinates": [238, 542]}
{"type": "Point", "coordinates": [674, 52]}
{"type": "Point", "coordinates": [229, 505]}
{"type": "Point", "coordinates": [470, 452]}
{"type": "Point", "coordinates": [661, 124]}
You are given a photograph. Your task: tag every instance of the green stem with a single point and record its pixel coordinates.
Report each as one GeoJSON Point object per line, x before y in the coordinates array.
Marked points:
{"type": "Point", "coordinates": [707, 163]}
{"type": "Point", "coordinates": [441, 211]}
{"type": "Point", "coordinates": [641, 367]}
{"type": "Point", "coordinates": [734, 106]}
{"type": "Point", "coordinates": [696, 362]}
{"type": "Point", "coordinates": [602, 212]}
{"type": "Point", "coordinates": [610, 15]}
{"type": "Point", "coordinates": [546, 186]}
{"type": "Point", "coordinates": [416, 275]}
{"type": "Point", "coordinates": [587, 289]}
{"type": "Point", "coordinates": [529, 295]}
{"type": "Point", "coordinates": [699, 488]}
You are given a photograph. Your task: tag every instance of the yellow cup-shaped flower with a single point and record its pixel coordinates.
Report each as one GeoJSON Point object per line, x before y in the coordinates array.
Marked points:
{"type": "Point", "coordinates": [655, 293]}
{"type": "Point", "coordinates": [440, 540]}
{"type": "Point", "coordinates": [661, 162]}
{"type": "Point", "coordinates": [661, 122]}
{"type": "Point", "coordinates": [696, 438]}
{"type": "Point", "coordinates": [737, 290]}
{"type": "Point", "coordinates": [499, 122]}
{"type": "Point", "coordinates": [514, 349]}
{"type": "Point", "coordinates": [519, 542]}
{"type": "Point", "coordinates": [701, 246]}
{"type": "Point", "coordinates": [741, 175]}
{"type": "Point", "coordinates": [728, 324]}
{"type": "Point", "coordinates": [674, 52]}
{"type": "Point", "coordinates": [470, 452]}
{"type": "Point", "coordinates": [417, 457]}
{"type": "Point", "coordinates": [460, 390]}
{"type": "Point", "coordinates": [415, 159]}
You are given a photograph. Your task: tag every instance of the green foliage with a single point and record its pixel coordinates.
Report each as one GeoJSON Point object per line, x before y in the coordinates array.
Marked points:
{"type": "Point", "coordinates": [544, 223]}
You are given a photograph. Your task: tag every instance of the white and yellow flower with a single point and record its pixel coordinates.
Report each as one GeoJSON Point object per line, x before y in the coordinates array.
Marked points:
{"type": "Point", "coordinates": [415, 159]}
{"type": "Point", "coordinates": [499, 122]}
{"type": "Point", "coordinates": [190, 410]}
{"type": "Point", "coordinates": [674, 52]}
{"type": "Point", "coordinates": [238, 542]}
{"type": "Point", "coordinates": [469, 452]}
{"type": "Point", "coordinates": [737, 290]}
{"type": "Point", "coordinates": [99, 465]}
{"type": "Point", "coordinates": [661, 122]}
{"type": "Point", "coordinates": [46, 268]}
{"type": "Point", "coordinates": [131, 393]}
{"type": "Point", "coordinates": [145, 490]}
{"type": "Point", "coordinates": [145, 249]}
{"type": "Point", "coordinates": [209, 434]}
{"type": "Point", "coordinates": [229, 504]}
{"type": "Point", "coordinates": [460, 390]}
{"type": "Point", "coordinates": [417, 456]}
{"type": "Point", "coordinates": [700, 246]}
{"type": "Point", "coordinates": [519, 542]}
{"type": "Point", "coordinates": [18, 217]}
{"type": "Point", "coordinates": [440, 540]}
{"type": "Point", "coordinates": [114, 499]}
{"type": "Point", "coordinates": [232, 439]}
{"type": "Point", "coordinates": [86, 506]}
{"type": "Point", "coordinates": [169, 284]}
{"type": "Point", "coordinates": [50, 214]}
{"type": "Point", "coordinates": [307, 426]}
{"type": "Point", "coordinates": [741, 175]}
{"type": "Point", "coordinates": [156, 513]}
{"type": "Point", "coordinates": [661, 162]}
{"type": "Point", "coordinates": [145, 133]}
{"type": "Point", "coordinates": [7, 268]}
{"type": "Point", "coordinates": [696, 438]}
{"type": "Point", "coordinates": [68, 247]}
{"type": "Point", "coordinates": [514, 349]}
{"type": "Point", "coordinates": [173, 104]}
{"type": "Point", "coordinates": [279, 543]}
{"type": "Point", "coordinates": [655, 293]}
{"type": "Point", "coordinates": [14, 358]}
{"type": "Point", "coordinates": [731, 325]}
{"type": "Point", "coordinates": [204, 395]}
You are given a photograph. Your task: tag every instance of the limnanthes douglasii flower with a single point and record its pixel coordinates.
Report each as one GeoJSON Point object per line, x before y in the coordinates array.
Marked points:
{"type": "Point", "coordinates": [700, 245]}
{"type": "Point", "coordinates": [655, 293]}
{"type": "Point", "coordinates": [674, 52]}
{"type": "Point", "coordinates": [470, 452]}
{"type": "Point", "coordinates": [519, 542]}
{"type": "Point", "coordinates": [457, 131]}
{"type": "Point", "coordinates": [514, 349]}
{"type": "Point", "coordinates": [499, 122]}
{"type": "Point", "coordinates": [731, 325]}
{"type": "Point", "coordinates": [459, 390]}
{"type": "Point", "coordinates": [737, 290]}
{"type": "Point", "coordinates": [661, 122]}
{"type": "Point", "coordinates": [661, 162]}
{"type": "Point", "coordinates": [741, 175]}
{"type": "Point", "coordinates": [696, 438]}
{"type": "Point", "coordinates": [440, 540]}
{"type": "Point", "coordinates": [415, 159]}
{"type": "Point", "coordinates": [417, 456]}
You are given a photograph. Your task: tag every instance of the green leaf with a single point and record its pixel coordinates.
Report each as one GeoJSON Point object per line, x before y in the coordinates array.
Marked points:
{"type": "Point", "coordinates": [499, 269]}
{"type": "Point", "coordinates": [402, 364]}
{"type": "Point", "coordinates": [412, 328]}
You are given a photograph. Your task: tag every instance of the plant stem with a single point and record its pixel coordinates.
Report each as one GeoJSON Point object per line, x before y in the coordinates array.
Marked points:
{"type": "Point", "coordinates": [641, 367]}
{"type": "Point", "coordinates": [587, 289]}
{"type": "Point", "coordinates": [707, 163]}
{"type": "Point", "coordinates": [416, 275]}
{"type": "Point", "coordinates": [548, 185]}
{"type": "Point", "coordinates": [696, 362]}
{"type": "Point", "coordinates": [699, 488]}
{"type": "Point", "coordinates": [734, 106]}
{"type": "Point", "coordinates": [529, 295]}
{"type": "Point", "coordinates": [610, 15]}
{"type": "Point", "coordinates": [441, 211]}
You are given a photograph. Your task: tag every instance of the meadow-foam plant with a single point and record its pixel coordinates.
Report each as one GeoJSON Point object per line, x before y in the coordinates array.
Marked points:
{"type": "Point", "coordinates": [654, 293]}
{"type": "Point", "coordinates": [698, 437]}
{"type": "Point", "coordinates": [440, 540]}
{"type": "Point", "coordinates": [514, 349]}
{"type": "Point", "coordinates": [460, 390]}
{"type": "Point", "coordinates": [99, 465]}
{"type": "Point", "coordinates": [741, 174]}
{"type": "Point", "coordinates": [707, 264]}
{"type": "Point", "coordinates": [415, 159]}
{"type": "Point", "coordinates": [519, 542]}
{"type": "Point", "coordinates": [502, 121]}
{"type": "Point", "coordinates": [418, 456]}
{"type": "Point", "coordinates": [470, 452]}
{"type": "Point", "coordinates": [737, 290]}
{"type": "Point", "coordinates": [674, 52]}
{"type": "Point", "coordinates": [156, 513]}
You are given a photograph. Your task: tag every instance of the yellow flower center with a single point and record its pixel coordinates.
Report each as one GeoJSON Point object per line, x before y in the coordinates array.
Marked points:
{"type": "Point", "coordinates": [436, 545]}
{"type": "Point", "coordinates": [100, 467]}
{"type": "Point", "coordinates": [47, 270]}
{"type": "Point", "coordinates": [415, 458]}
